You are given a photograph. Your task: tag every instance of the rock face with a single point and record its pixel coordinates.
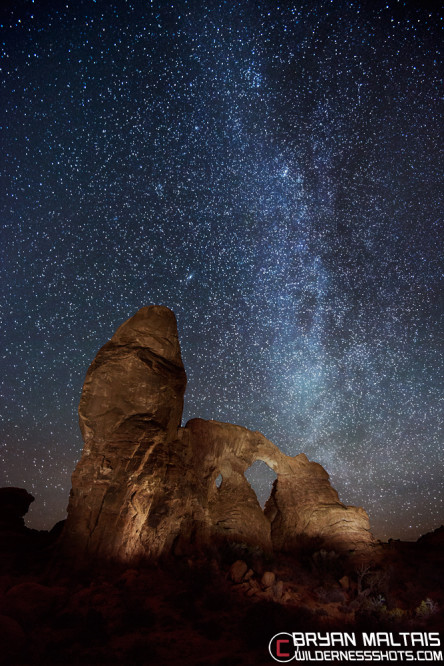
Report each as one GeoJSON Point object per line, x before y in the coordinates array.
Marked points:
{"type": "Point", "coordinates": [129, 412]}
{"type": "Point", "coordinates": [302, 505]}
{"type": "Point", "coordinates": [146, 488]}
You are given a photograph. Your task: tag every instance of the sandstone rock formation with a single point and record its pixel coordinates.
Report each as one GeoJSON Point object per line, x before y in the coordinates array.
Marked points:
{"type": "Point", "coordinates": [146, 487]}
{"type": "Point", "coordinates": [130, 412]}
{"type": "Point", "coordinates": [302, 503]}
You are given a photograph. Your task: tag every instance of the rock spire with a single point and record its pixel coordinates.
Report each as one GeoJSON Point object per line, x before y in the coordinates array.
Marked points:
{"type": "Point", "coordinates": [145, 487]}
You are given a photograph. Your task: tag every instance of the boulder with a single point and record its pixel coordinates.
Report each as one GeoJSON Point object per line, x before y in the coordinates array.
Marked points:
{"type": "Point", "coordinates": [278, 590]}
{"type": "Point", "coordinates": [344, 582]}
{"type": "Point", "coordinates": [238, 570]}
{"type": "Point", "coordinates": [268, 579]}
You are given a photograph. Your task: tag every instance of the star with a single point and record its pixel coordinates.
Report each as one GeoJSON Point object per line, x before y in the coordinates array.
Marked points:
{"type": "Point", "coordinates": [271, 174]}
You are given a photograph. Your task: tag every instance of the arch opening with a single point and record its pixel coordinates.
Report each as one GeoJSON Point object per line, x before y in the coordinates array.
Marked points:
{"type": "Point", "coordinates": [218, 481]}
{"type": "Point", "coordinates": [261, 478]}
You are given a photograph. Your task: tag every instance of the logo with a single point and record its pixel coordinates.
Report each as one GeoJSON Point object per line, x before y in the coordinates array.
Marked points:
{"type": "Point", "coordinates": [281, 648]}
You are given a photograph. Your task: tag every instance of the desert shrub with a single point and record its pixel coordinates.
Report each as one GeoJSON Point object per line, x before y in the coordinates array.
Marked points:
{"type": "Point", "coordinates": [396, 614]}
{"type": "Point", "coordinates": [327, 565]}
{"type": "Point", "coordinates": [304, 549]}
{"type": "Point", "coordinates": [230, 551]}
{"type": "Point", "coordinates": [371, 582]}
{"type": "Point", "coordinates": [426, 608]}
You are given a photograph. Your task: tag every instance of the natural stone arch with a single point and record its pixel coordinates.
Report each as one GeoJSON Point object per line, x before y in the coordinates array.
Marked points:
{"type": "Point", "coordinates": [143, 483]}
{"type": "Point", "coordinates": [302, 501]}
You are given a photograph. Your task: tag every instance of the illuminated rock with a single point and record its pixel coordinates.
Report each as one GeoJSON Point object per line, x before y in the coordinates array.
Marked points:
{"type": "Point", "coordinates": [302, 505]}
{"type": "Point", "coordinates": [129, 412]}
{"type": "Point", "coordinates": [146, 487]}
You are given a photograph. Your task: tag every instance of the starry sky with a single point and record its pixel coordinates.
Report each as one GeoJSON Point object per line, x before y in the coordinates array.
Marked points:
{"type": "Point", "coordinates": [271, 172]}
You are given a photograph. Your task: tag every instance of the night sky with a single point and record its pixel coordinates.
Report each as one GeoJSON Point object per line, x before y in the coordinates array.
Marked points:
{"type": "Point", "coordinates": [271, 172]}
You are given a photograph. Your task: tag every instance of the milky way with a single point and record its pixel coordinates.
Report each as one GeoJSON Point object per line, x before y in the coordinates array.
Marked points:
{"type": "Point", "coordinates": [269, 171]}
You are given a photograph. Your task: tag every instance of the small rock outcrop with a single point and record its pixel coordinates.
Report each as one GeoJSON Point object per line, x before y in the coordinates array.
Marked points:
{"type": "Point", "coordinates": [14, 504]}
{"type": "Point", "coordinates": [146, 487]}
{"type": "Point", "coordinates": [21, 549]}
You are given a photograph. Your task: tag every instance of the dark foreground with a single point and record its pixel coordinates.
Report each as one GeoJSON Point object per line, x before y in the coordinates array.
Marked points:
{"type": "Point", "coordinates": [222, 608]}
